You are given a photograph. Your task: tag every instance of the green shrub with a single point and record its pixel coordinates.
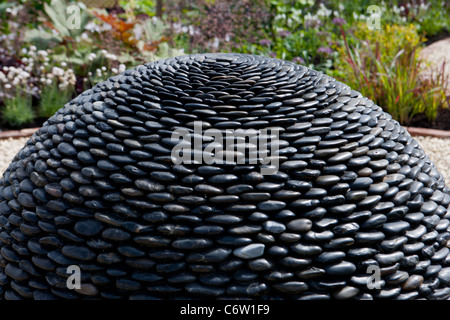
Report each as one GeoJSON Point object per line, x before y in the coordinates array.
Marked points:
{"type": "Point", "coordinates": [18, 110]}
{"type": "Point", "coordinates": [52, 99]}
{"type": "Point", "coordinates": [387, 70]}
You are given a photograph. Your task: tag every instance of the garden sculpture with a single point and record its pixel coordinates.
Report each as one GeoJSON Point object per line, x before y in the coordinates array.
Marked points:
{"type": "Point", "coordinates": [339, 202]}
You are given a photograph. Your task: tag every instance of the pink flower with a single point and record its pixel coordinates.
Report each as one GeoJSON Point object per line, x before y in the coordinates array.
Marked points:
{"type": "Point", "coordinates": [339, 21]}
{"type": "Point", "coordinates": [326, 50]}
{"type": "Point", "coordinates": [298, 60]}
{"type": "Point", "coordinates": [284, 33]}
{"type": "Point", "coordinates": [265, 42]}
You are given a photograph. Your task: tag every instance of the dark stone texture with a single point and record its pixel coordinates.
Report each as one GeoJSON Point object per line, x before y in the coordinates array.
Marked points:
{"type": "Point", "coordinates": [96, 187]}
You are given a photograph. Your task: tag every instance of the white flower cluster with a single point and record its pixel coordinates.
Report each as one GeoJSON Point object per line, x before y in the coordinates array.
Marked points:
{"type": "Point", "coordinates": [64, 78]}
{"type": "Point", "coordinates": [93, 27]}
{"type": "Point", "coordinates": [109, 56]}
{"type": "Point", "coordinates": [324, 11]}
{"type": "Point", "coordinates": [13, 11]}
{"type": "Point", "coordinates": [180, 28]}
{"type": "Point", "coordinates": [121, 69]}
{"type": "Point", "coordinates": [102, 73]}
{"type": "Point", "coordinates": [12, 76]}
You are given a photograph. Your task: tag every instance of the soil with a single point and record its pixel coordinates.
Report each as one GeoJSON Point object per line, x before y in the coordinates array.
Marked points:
{"type": "Point", "coordinates": [444, 34]}
{"type": "Point", "coordinates": [442, 121]}
{"type": "Point", "coordinates": [36, 123]}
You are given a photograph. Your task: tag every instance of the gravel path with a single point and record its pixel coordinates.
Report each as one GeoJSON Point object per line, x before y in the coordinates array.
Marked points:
{"type": "Point", "coordinates": [437, 149]}
{"type": "Point", "coordinates": [8, 149]}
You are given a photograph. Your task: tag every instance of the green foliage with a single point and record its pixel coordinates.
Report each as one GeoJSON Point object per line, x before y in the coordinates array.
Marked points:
{"type": "Point", "coordinates": [17, 110]}
{"type": "Point", "coordinates": [56, 11]}
{"type": "Point", "coordinates": [41, 38]}
{"type": "Point", "coordinates": [4, 26]}
{"type": "Point", "coordinates": [386, 69]}
{"type": "Point", "coordinates": [134, 7]}
{"type": "Point", "coordinates": [153, 30]}
{"type": "Point", "coordinates": [52, 99]}
{"type": "Point", "coordinates": [434, 21]}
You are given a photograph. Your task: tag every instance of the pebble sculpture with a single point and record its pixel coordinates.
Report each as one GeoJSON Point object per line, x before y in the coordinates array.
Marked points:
{"type": "Point", "coordinates": [356, 210]}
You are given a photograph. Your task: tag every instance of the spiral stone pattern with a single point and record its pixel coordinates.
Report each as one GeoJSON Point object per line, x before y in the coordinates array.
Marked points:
{"type": "Point", "coordinates": [96, 187]}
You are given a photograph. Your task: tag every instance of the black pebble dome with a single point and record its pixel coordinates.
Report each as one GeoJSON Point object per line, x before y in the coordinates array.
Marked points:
{"type": "Point", "coordinates": [96, 187]}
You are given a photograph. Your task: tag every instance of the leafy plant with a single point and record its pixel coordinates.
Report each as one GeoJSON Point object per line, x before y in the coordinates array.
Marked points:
{"type": "Point", "coordinates": [56, 11]}
{"type": "Point", "coordinates": [133, 7]}
{"type": "Point", "coordinates": [52, 99]}
{"type": "Point", "coordinates": [121, 29]}
{"type": "Point", "coordinates": [4, 26]}
{"type": "Point", "coordinates": [18, 110]}
{"type": "Point", "coordinates": [393, 79]}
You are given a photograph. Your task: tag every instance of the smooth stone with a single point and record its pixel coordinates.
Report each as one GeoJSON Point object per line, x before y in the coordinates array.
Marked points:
{"type": "Point", "coordinates": [88, 228]}
{"type": "Point", "coordinates": [356, 195]}
{"type": "Point", "coordinates": [15, 273]}
{"type": "Point", "coordinates": [239, 188]}
{"type": "Point", "coordinates": [26, 200]}
{"type": "Point", "coordinates": [78, 252]}
{"type": "Point", "coordinates": [306, 250]}
{"type": "Point", "coordinates": [389, 258]}
{"type": "Point", "coordinates": [416, 233]}
{"type": "Point", "coordinates": [224, 219]}
{"type": "Point", "coordinates": [251, 251]}
{"type": "Point", "coordinates": [274, 227]}
{"type": "Point", "coordinates": [393, 244]}
{"type": "Point", "coordinates": [345, 293]}
{"type": "Point", "coordinates": [369, 237]}
{"type": "Point", "coordinates": [344, 209]}
{"type": "Point", "coordinates": [439, 294]}
{"type": "Point", "coordinates": [397, 277]}
{"type": "Point", "coordinates": [393, 179]}
{"type": "Point", "coordinates": [148, 185]}
{"type": "Point", "coordinates": [361, 183]}
{"type": "Point", "coordinates": [323, 236]}
{"type": "Point", "coordinates": [245, 229]}
{"type": "Point", "coordinates": [370, 201]}
{"type": "Point", "coordinates": [394, 228]}
{"type": "Point", "coordinates": [347, 229]}
{"type": "Point", "coordinates": [340, 157]}
{"type": "Point", "coordinates": [217, 255]}
{"type": "Point", "coordinates": [191, 243]}
{"type": "Point", "coordinates": [255, 196]}
{"type": "Point", "coordinates": [327, 180]}
{"type": "Point", "coordinates": [293, 165]}
{"type": "Point", "coordinates": [223, 179]}
{"type": "Point", "coordinates": [343, 268]}
{"type": "Point", "coordinates": [414, 217]}
{"type": "Point", "coordinates": [428, 207]}
{"type": "Point", "coordinates": [444, 276]}
{"type": "Point", "coordinates": [389, 294]}
{"type": "Point", "coordinates": [305, 204]}
{"type": "Point", "coordinates": [300, 225]}
{"type": "Point", "coordinates": [67, 149]}
{"type": "Point", "coordinates": [291, 287]}
{"type": "Point", "coordinates": [271, 205]}
{"type": "Point", "coordinates": [413, 282]}
{"type": "Point", "coordinates": [330, 257]}
{"type": "Point", "coordinates": [401, 197]}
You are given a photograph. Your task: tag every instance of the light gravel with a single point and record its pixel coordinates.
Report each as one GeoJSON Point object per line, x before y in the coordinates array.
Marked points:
{"type": "Point", "coordinates": [437, 149]}
{"type": "Point", "coordinates": [8, 149]}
